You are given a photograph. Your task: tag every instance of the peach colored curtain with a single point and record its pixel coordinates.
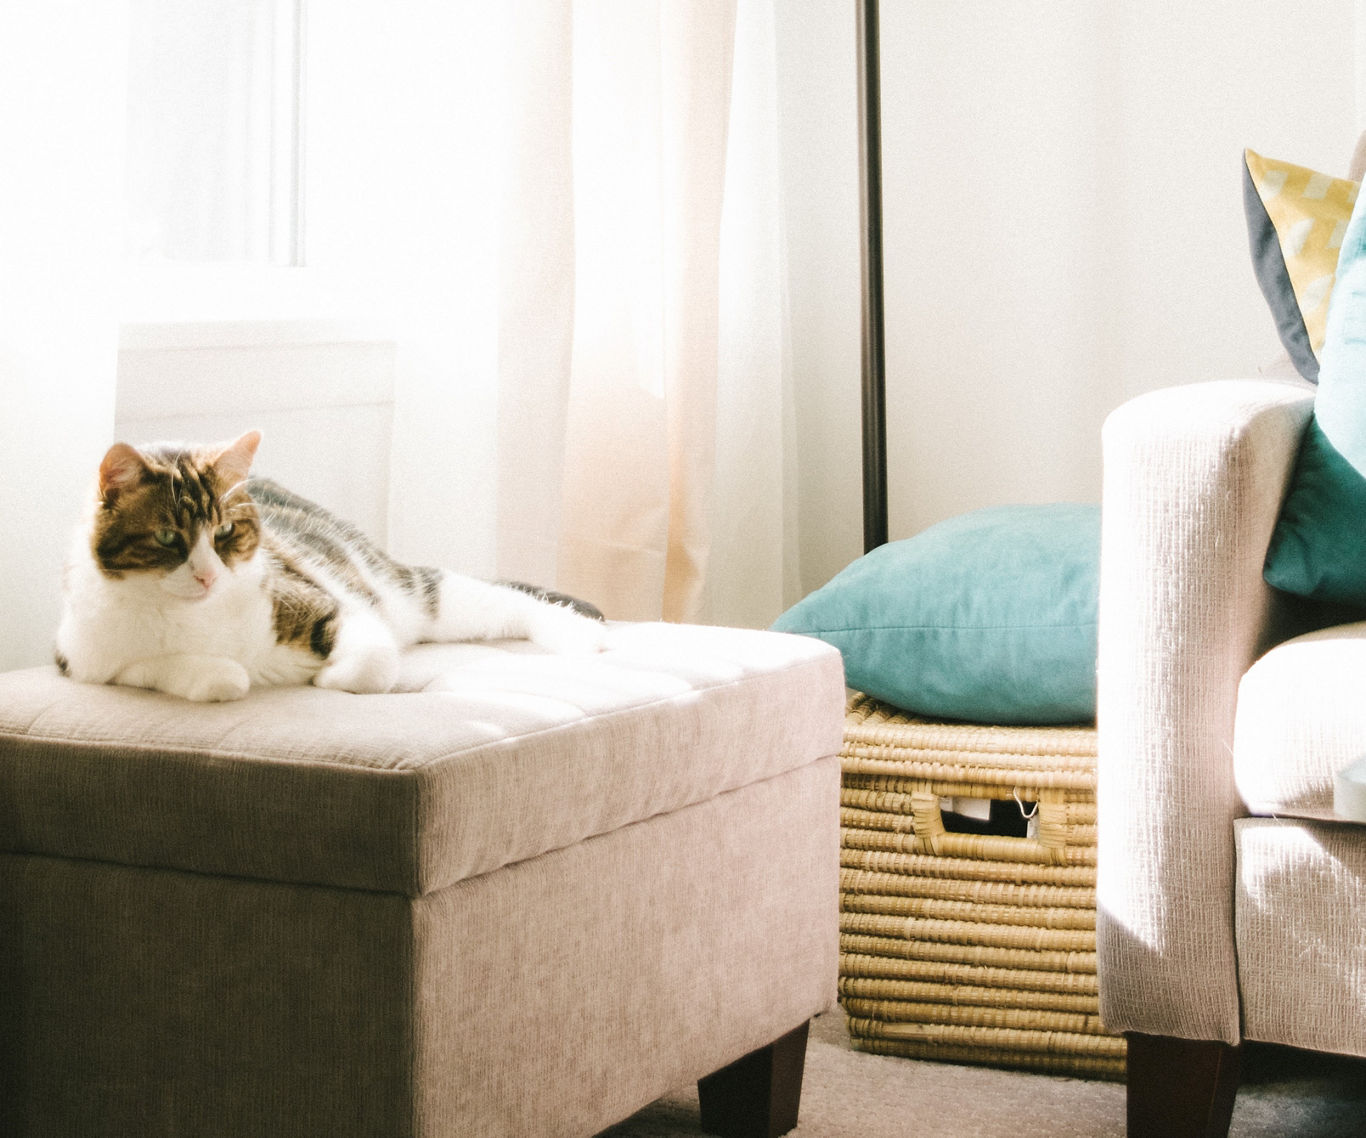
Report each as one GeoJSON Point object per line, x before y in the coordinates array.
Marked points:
{"type": "Point", "coordinates": [639, 308]}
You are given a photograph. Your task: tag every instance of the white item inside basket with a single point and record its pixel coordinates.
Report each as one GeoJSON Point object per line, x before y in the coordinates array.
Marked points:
{"type": "Point", "coordinates": [978, 808]}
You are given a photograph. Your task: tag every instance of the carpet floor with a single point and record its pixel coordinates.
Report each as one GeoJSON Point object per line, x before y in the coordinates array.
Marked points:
{"type": "Point", "coordinates": [850, 1094]}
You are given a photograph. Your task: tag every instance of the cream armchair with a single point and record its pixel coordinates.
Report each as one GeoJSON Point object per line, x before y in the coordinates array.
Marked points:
{"type": "Point", "coordinates": [1231, 905]}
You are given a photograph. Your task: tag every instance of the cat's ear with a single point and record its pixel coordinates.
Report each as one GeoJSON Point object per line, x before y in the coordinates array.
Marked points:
{"type": "Point", "coordinates": [233, 462]}
{"type": "Point", "coordinates": [122, 469]}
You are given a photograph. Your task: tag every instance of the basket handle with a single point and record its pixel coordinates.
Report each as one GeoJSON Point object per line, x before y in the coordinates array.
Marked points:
{"type": "Point", "coordinates": [933, 837]}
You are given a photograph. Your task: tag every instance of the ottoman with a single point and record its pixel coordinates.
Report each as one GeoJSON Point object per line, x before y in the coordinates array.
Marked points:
{"type": "Point", "coordinates": [523, 895]}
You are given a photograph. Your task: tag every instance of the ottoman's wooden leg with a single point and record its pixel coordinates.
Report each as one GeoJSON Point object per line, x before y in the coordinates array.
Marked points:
{"type": "Point", "coordinates": [757, 1096]}
{"type": "Point", "coordinates": [1181, 1088]}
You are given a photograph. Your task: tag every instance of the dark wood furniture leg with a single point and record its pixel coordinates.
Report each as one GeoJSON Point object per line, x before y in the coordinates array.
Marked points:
{"type": "Point", "coordinates": [1181, 1088]}
{"type": "Point", "coordinates": [757, 1096]}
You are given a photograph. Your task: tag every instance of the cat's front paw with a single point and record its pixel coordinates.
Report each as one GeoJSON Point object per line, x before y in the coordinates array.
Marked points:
{"type": "Point", "coordinates": [226, 681]}
{"type": "Point", "coordinates": [203, 679]}
{"type": "Point", "coordinates": [370, 671]}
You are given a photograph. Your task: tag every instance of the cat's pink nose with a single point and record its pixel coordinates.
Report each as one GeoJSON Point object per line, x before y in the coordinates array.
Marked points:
{"type": "Point", "coordinates": [206, 577]}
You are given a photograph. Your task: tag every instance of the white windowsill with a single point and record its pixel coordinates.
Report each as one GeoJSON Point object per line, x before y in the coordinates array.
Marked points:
{"type": "Point", "coordinates": [170, 307]}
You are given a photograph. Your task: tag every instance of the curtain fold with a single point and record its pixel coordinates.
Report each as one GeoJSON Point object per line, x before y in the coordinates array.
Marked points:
{"type": "Point", "coordinates": [536, 279]}
{"type": "Point", "coordinates": [639, 272]}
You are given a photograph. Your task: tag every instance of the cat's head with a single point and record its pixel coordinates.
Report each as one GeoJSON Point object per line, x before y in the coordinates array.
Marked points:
{"type": "Point", "coordinates": [176, 517]}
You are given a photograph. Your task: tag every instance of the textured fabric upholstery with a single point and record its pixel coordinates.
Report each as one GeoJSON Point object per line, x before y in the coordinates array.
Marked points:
{"type": "Point", "coordinates": [553, 997]}
{"type": "Point", "coordinates": [1301, 954]}
{"type": "Point", "coordinates": [1301, 719]}
{"type": "Point", "coordinates": [157, 1003]}
{"type": "Point", "coordinates": [527, 897]}
{"type": "Point", "coordinates": [571, 990]}
{"type": "Point", "coordinates": [1193, 479]}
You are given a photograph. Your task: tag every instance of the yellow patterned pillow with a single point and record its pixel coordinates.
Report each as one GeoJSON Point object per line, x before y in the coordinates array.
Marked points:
{"type": "Point", "coordinates": [1295, 221]}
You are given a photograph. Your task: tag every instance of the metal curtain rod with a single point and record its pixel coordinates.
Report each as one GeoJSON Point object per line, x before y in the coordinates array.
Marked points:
{"type": "Point", "coordinates": [874, 328]}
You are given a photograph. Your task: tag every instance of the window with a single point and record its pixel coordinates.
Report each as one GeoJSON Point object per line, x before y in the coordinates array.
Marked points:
{"type": "Point", "coordinates": [214, 98]}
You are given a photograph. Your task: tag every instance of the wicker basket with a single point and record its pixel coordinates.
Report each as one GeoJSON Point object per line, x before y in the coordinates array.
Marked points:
{"type": "Point", "coordinates": [964, 947]}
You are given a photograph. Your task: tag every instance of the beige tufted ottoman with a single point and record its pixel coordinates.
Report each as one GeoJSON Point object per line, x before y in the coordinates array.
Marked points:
{"type": "Point", "coordinates": [525, 896]}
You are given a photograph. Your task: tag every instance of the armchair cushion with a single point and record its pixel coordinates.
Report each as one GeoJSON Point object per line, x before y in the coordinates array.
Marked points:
{"type": "Point", "coordinates": [1300, 720]}
{"type": "Point", "coordinates": [1301, 905]}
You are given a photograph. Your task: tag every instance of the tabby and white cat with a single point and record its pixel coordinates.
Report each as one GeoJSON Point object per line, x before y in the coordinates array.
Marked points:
{"type": "Point", "coordinates": [192, 579]}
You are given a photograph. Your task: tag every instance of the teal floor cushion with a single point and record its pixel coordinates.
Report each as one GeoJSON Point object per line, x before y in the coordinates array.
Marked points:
{"type": "Point", "coordinates": [988, 617]}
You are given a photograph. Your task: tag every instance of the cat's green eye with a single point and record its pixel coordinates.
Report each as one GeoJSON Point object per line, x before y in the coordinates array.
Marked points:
{"type": "Point", "coordinates": [166, 537]}
{"type": "Point", "coordinates": [225, 530]}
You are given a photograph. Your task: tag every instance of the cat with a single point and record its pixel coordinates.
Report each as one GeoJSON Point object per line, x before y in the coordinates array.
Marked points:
{"type": "Point", "coordinates": [193, 578]}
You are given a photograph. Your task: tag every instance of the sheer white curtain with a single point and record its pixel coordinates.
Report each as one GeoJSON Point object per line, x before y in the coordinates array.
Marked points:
{"type": "Point", "coordinates": [641, 378]}
{"type": "Point", "coordinates": [62, 75]}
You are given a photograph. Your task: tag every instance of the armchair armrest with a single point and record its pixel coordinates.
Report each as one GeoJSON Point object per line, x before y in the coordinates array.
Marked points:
{"type": "Point", "coordinates": [1194, 477]}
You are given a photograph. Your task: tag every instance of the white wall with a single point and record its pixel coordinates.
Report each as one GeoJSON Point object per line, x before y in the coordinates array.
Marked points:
{"type": "Point", "coordinates": [61, 132]}
{"type": "Point", "coordinates": [818, 117]}
{"type": "Point", "coordinates": [1064, 229]}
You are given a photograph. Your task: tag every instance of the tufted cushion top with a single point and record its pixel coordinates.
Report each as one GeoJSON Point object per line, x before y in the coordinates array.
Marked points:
{"type": "Point", "coordinates": [490, 754]}
{"type": "Point", "coordinates": [1301, 719]}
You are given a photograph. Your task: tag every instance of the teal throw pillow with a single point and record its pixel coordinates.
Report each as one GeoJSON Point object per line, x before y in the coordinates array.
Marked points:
{"type": "Point", "coordinates": [989, 617]}
{"type": "Point", "coordinates": [1318, 548]}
